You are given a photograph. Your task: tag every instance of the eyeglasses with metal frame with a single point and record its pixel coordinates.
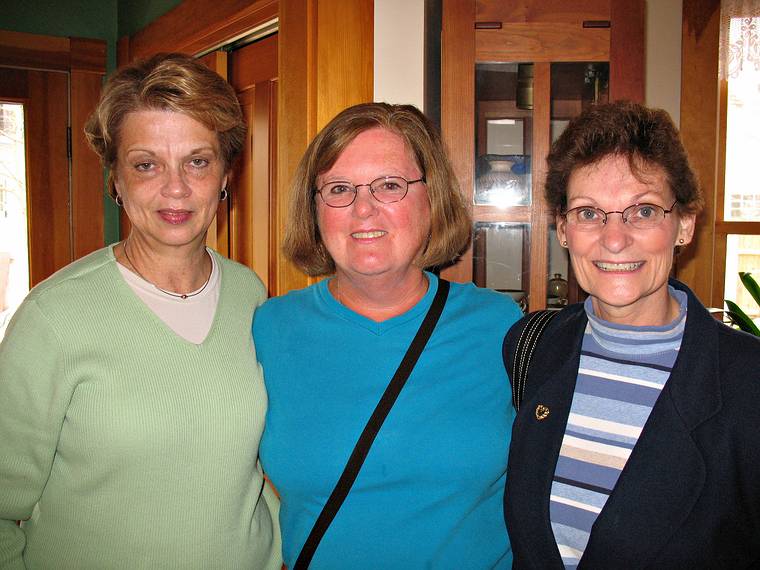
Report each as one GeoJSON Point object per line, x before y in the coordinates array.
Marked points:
{"type": "Point", "coordinates": [639, 216]}
{"type": "Point", "coordinates": [386, 190]}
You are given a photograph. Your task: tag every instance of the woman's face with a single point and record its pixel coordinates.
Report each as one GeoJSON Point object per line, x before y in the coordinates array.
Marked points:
{"type": "Point", "coordinates": [624, 269]}
{"type": "Point", "coordinates": [369, 238]}
{"type": "Point", "coordinates": [169, 173]}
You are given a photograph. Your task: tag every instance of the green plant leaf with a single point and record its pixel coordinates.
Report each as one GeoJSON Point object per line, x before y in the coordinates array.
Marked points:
{"type": "Point", "coordinates": [740, 318]}
{"type": "Point", "coordinates": [751, 285]}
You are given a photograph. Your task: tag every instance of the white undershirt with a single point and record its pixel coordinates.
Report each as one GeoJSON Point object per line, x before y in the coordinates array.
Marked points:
{"type": "Point", "coordinates": [190, 318]}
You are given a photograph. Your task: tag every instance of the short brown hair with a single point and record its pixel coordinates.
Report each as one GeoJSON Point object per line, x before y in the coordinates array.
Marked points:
{"type": "Point", "coordinates": [171, 82]}
{"type": "Point", "coordinates": [647, 137]}
{"type": "Point", "coordinates": [450, 224]}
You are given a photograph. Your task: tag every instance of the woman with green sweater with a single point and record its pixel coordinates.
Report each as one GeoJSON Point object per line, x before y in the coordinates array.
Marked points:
{"type": "Point", "coordinates": [131, 403]}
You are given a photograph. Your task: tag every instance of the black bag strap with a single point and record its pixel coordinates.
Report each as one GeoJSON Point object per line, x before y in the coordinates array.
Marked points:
{"type": "Point", "coordinates": [359, 454]}
{"type": "Point", "coordinates": [526, 344]}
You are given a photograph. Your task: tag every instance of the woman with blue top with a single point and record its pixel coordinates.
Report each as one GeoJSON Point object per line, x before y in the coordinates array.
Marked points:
{"type": "Point", "coordinates": [374, 203]}
{"type": "Point", "coordinates": [131, 403]}
{"type": "Point", "coordinates": [637, 441]}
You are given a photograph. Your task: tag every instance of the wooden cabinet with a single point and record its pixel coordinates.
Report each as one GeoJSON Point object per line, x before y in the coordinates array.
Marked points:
{"type": "Point", "coordinates": [513, 74]}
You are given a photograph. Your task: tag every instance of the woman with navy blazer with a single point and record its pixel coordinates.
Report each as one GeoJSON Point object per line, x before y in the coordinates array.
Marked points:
{"type": "Point", "coordinates": [637, 439]}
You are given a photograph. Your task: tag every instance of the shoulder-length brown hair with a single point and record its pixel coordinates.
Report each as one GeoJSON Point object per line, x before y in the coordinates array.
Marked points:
{"type": "Point", "coordinates": [167, 82]}
{"type": "Point", "coordinates": [450, 221]}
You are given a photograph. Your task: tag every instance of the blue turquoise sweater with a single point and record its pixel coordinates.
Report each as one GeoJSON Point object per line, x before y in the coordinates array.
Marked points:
{"type": "Point", "coordinates": [430, 492]}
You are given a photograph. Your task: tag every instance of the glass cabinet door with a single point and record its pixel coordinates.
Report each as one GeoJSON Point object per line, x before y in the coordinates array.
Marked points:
{"type": "Point", "coordinates": [520, 109]}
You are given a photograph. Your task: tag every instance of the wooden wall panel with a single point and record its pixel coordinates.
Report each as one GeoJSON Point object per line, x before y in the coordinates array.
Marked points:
{"type": "Point", "coordinates": [458, 105]}
{"type": "Point", "coordinates": [325, 65]}
{"type": "Point", "coordinates": [345, 53]}
{"type": "Point", "coordinates": [86, 171]}
{"type": "Point", "coordinates": [699, 131]}
{"type": "Point", "coordinates": [628, 29]}
{"type": "Point", "coordinates": [46, 118]}
{"type": "Point", "coordinates": [297, 98]}
{"type": "Point", "coordinates": [218, 236]}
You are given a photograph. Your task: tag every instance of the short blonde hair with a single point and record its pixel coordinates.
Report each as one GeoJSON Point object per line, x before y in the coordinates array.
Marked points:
{"type": "Point", "coordinates": [450, 225]}
{"type": "Point", "coordinates": [168, 82]}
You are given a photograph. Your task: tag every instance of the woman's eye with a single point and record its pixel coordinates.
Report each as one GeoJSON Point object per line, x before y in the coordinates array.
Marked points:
{"type": "Point", "coordinates": [587, 214]}
{"type": "Point", "coordinates": [199, 162]}
{"type": "Point", "coordinates": [644, 212]}
{"type": "Point", "coordinates": [143, 166]}
{"type": "Point", "coordinates": [339, 189]}
{"type": "Point", "coordinates": [390, 186]}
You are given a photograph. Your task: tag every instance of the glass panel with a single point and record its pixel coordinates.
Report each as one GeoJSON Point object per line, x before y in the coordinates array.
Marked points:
{"type": "Point", "coordinates": [500, 258]}
{"type": "Point", "coordinates": [503, 139]}
{"type": "Point", "coordinates": [742, 254]}
{"type": "Point", "coordinates": [14, 249]}
{"type": "Point", "coordinates": [742, 194]}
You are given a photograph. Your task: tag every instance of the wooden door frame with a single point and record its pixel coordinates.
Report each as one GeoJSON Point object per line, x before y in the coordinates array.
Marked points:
{"type": "Point", "coordinates": [316, 79]}
{"type": "Point", "coordinates": [85, 61]}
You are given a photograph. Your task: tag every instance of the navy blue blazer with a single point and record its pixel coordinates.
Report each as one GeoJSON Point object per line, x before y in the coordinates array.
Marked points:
{"type": "Point", "coordinates": [689, 496]}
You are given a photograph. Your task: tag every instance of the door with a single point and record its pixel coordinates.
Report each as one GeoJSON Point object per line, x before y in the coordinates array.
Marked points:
{"type": "Point", "coordinates": [252, 72]}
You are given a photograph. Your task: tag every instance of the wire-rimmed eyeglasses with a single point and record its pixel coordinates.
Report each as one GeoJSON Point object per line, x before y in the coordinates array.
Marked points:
{"type": "Point", "coordinates": [639, 216]}
{"type": "Point", "coordinates": [386, 189]}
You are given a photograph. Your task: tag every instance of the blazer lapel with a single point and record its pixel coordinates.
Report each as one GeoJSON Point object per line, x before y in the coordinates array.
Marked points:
{"type": "Point", "coordinates": [665, 473]}
{"type": "Point", "coordinates": [537, 435]}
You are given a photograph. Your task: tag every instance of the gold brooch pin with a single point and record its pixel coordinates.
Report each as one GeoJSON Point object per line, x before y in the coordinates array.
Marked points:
{"type": "Point", "coordinates": [542, 412]}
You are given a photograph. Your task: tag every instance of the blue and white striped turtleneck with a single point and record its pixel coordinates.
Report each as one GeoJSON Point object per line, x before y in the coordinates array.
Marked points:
{"type": "Point", "coordinates": [621, 374]}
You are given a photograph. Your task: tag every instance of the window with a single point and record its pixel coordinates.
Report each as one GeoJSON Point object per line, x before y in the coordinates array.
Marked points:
{"type": "Point", "coordinates": [738, 213]}
{"type": "Point", "coordinates": [14, 252]}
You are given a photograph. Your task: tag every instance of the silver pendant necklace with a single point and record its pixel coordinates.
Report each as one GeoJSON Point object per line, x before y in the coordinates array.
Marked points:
{"type": "Point", "coordinates": [176, 295]}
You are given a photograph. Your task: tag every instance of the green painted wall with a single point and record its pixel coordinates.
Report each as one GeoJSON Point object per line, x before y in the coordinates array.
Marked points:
{"type": "Point", "coordinates": [136, 14]}
{"type": "Point", "coordinates": [100, 19]}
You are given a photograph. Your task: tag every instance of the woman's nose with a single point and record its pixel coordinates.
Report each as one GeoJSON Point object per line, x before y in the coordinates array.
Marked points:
{"type": "Point", "coordinates": [364, 203]}
{"type": "Point", "coordinates": [616, 234]}
{"type": "Point", "coordinates": [175, 184]}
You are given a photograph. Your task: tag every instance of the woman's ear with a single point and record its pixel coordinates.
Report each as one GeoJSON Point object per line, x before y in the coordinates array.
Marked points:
{"type": "Point", "coordinates": [561, 223]}
{"type": "Point", "coordinates": [686, 224]}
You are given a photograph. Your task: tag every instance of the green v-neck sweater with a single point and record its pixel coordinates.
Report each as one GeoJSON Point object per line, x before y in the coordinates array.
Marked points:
{"type": "Point", "coordinates": [122, 445]}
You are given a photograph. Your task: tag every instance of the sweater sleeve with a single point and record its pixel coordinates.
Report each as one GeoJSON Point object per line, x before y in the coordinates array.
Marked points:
{"type": "Point", "coordinates": [33, 401]}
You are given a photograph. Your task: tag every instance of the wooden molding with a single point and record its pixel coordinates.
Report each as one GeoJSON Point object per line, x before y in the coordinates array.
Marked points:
{"type": "Point", "coordinates": [34, 51]}
{"type": "Point", "coordinates": [534, 11]}
{"type": "Point", "coordinates": [19, 49]}
{"type": "Point", "coordinates": [195, 26]}
{"type": "Point", "coordinates": [543, 42]}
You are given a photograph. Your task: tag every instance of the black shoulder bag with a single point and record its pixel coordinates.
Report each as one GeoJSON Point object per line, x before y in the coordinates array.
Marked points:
{"type": "Point", "coordinates": [524, 348]}
{"type": "Point", "coordinates": [359, 454]}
